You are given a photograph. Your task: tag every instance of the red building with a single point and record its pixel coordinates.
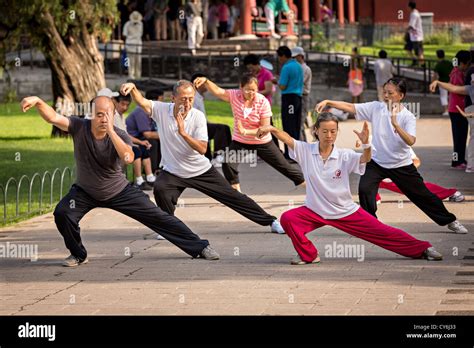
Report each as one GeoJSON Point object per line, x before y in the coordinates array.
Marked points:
{"type": "Point", "coordinates": [375, 11]}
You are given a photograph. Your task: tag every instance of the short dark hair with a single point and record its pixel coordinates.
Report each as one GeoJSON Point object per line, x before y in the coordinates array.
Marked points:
{"type": "Point", "coordinates": [463, 56]}
{"type": "Point", "coordinates": [196, 75]}
{"type": "Point", "coordinates": [247, 78]}
{"type": "Point", "coordinates": [251, 59]}
{"type": "Point", "coordinates": [284, 51]}
{"type": "Point", "coordinates": [383, 54]}
{"type": "Point", "coordinates": [412, 4]}
{"type": "Point", "coordinates": [154, 94]}
{"type": "Point", "coordinates": [122, 97]}
{"type": "Point", "coordinates": [440, 54]}
{"type": "Point", "coordinates": [324, 117]}
{"type": "Point", "coordinates": [400, 83]}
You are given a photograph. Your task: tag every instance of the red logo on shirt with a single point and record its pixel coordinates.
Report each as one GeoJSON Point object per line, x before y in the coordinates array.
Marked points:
{"type": "Point", "coordinates": [337, 174]}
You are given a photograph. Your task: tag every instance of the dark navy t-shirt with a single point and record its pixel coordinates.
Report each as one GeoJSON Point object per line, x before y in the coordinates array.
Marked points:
{"type": "Point", "coordinates": [138, 122]}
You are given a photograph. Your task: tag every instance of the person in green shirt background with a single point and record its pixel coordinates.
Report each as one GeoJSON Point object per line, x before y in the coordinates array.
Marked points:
{"type": "Point", "coordinates": [442, 70]}
{"type": "Point", "coordinates": [272, 9]}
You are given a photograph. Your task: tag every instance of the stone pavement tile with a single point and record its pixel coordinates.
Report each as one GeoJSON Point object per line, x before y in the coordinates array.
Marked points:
{"type": "Point", "coordinates": [355, 284]}
{"type": "Point", "coordinates": [247, 309]}
{"type": "Point", "coordinates": [289, 309]}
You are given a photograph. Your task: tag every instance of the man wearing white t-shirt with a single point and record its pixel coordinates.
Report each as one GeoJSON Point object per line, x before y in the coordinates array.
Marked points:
{"type": "Point", "coordinates": [415, 29]}
{"type": "Point", "coordinates": [183, 134]}
{"type": "Point", "coordinates": [217, 131]}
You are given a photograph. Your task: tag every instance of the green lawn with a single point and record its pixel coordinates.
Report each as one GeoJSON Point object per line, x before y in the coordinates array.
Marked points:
{"type": "Point", "coordinates": [396, 50]}
{"type": "Point", "coordinates": [26, 148]}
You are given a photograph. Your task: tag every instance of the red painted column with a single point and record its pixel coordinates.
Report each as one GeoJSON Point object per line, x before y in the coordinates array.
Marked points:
{"type": "Point", "coordinates": [246, 18]}
{"type": "Point", "coordinates": [305, 13]}
{"type": "Point", "coordinates": [290, 30]}
{"type": "Point", "coordinates": [317, 11]}
{"type": "Point", "coordinates": [351, 10]}
{"type": "Point", "coordinates": [340, 11]}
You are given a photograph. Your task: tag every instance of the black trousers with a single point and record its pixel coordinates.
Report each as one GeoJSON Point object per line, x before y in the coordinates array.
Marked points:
{"type": "Point", "coordinates": [155, 155]}
{"type": "Point", "coordinates": [221, 135]}
{"type": "Point", "coordinates": [291, 105]}
{"type": "Point", "coordinates": [169, 187]}
{"type": "Point", "coordinates": [410, 182]}
{"type": "Point", "coordinates": [459, 128]}
{"type": "Point", "coordinates": [132, 202]}
{"type": "Point", "coordinates": [270, 153]}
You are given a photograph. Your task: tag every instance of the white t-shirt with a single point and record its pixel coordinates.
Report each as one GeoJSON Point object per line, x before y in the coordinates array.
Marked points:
{"type": "Point", "coordinates": [328, 191]}
{"type": "Point", "coordinates": [177, 156]}
{"type": "Point", "coordinates": [133, 32]}
{"type": "Point", "coordinates": [416, 24]}
{"type": "Point", "coordinates": [119, 121]}
{"type": "Point", "coordinates": [383, 69]}
{"type": "Point", "coordinates": [388, 149]}
{"type": "Point", "coordinates": [307, 76]}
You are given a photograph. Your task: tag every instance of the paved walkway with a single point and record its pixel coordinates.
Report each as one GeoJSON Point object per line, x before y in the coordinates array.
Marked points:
{"type": "Point", "coordinates": [130, 272]}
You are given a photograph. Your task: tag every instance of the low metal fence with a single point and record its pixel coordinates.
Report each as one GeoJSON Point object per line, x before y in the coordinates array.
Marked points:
{"type": "Point", "coordinates": [46, 178]}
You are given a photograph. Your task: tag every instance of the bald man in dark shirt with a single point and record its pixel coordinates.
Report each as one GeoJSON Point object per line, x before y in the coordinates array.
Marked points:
{"type": "Point", "coordinates": [99, 150]}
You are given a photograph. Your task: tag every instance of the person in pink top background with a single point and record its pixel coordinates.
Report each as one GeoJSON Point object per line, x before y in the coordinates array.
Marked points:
{"type": "Point", "coordinates": [264, 76]}
{"type": "Point", "coordinates": [223, 13]}
{"type": "Point", "coordinates": [251, 111]}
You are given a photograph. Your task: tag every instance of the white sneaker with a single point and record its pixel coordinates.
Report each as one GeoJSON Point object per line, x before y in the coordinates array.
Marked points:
{"type": "Point", "coordinates": [445, 114]}
{"type": "Point", "coordinates": [457, 197]}
{"type": "Point", "coordinates": [456, 227]}
{"type": "Point", "coordinates": [151, 178]}
{"type": "Point", "coordinates": [431, 254]}
{"type": "Point", "coordinates": [73, 261]}
{"type": "Point", "coordinates": [469, 170]}
{"type": "Point", "coordinates": [276, 36]}
{"type": "Point", "coordinates": [277, 228]}
{"type": "Point", "coordinates": [160, 237]}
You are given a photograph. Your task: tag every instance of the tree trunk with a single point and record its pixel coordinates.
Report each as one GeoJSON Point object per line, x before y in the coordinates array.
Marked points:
{"type": "Point", "coordinates": [77, 67]}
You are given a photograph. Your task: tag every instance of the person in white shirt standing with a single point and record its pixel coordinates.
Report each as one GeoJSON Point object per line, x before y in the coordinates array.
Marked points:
{"type": "Point", "coordinates": [326, 169]}
{"type": "Point", "coordinates": [183, 141]}
{"type": "Point", "coordinates": [394, 128]}
{"type": "Point", "coordinates": [194, 24]}
{"type": "Point", "coordinates": [298, 54]}
{"type": "Point", "coordinates": [415, 29]}
{"type": "Point", "coordinates": [383, 70]}
{"type": "Point", "coordinates": [133, 31]}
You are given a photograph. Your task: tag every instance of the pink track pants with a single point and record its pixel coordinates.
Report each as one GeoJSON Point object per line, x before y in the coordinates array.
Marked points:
{"type": "Point", "coordinates": [439, 191]}
{"type": "Point", "coordinates": [300, 221]}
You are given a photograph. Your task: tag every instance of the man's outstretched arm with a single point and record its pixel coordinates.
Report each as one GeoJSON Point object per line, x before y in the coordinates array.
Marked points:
{"type": "Point", "coordinates": [130, 88]}
{"type": "Point", "coordinates": [46, 111]}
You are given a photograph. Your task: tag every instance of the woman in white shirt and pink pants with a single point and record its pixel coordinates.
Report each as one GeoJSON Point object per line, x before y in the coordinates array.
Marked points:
{"type": "Point", "coordinates": [326, 169]}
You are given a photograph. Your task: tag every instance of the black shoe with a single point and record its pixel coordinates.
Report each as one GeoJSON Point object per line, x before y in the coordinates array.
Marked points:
{"type": "Point", "coordinates": [145, 186]}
